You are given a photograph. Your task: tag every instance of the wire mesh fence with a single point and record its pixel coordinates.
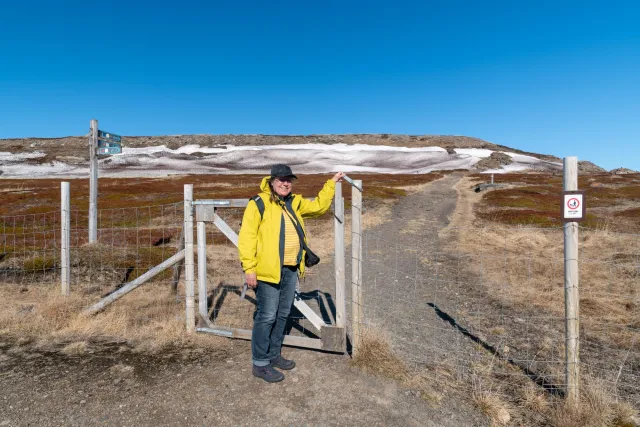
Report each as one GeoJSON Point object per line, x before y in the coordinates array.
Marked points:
{"type": "Point", "coordinates": [447, 300]}
{"type": "Point", "coordinates": [461, 298]}
{"type": "Point", "coordinates": [30, 248]}
{"type": "Point", "coordinates": [130, 242]}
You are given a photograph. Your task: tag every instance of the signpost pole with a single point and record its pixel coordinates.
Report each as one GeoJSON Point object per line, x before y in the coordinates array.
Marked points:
{"type": "Point", "coordinates": [93, 182]}
{"type": "Point", "coordinates": [571, 295]}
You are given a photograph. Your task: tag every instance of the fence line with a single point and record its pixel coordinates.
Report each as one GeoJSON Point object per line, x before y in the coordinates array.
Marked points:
{"type": "Point", "coordinates": [494, 289]}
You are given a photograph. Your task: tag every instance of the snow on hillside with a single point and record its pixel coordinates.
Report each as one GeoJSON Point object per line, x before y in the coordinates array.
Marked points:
{"type": "Point", "coordinates": [229, 159]}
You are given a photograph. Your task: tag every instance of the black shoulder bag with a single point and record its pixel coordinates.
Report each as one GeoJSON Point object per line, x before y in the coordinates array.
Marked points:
{"type": "Point", "coordinates": [311, 259]}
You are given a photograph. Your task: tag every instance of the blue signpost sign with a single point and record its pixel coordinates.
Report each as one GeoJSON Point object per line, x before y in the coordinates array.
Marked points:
{"type": "Point", "coordinates": [109, 143]}
{"type": "Point", "coordinates": [110, 150]}
{"type": "Point", "coordinates": [102, 143]}
{"type": "Point", "coordinates": [108, 136]}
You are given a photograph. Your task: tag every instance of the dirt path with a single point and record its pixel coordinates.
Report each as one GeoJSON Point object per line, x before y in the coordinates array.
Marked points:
{"type": "Point", "coordinates": [411, 285]}
{"type": "Point", "coordinates": [111, 385]}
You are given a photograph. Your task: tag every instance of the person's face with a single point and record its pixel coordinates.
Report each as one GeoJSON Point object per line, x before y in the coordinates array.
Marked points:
{"type": "Point", "coordinates": [282, 186]}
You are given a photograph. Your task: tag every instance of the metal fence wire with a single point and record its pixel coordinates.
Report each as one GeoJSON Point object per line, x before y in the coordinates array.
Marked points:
{"type": "Point", "coordinates": [449, 301]}
{"type": "Point", "coordinates": [130, 242]}
{"type": "Point", "coordinates": [30, 248]}
{"type": "Point", "coordinates": [446, 299]}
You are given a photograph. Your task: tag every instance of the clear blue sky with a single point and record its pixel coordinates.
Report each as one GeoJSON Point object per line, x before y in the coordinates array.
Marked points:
{"type": "Point", "coordinates": [554, 77]}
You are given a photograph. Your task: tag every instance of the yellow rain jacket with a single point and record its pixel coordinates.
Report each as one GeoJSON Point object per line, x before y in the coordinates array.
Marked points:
{"type": "Point", "coordinates": [261, 240]}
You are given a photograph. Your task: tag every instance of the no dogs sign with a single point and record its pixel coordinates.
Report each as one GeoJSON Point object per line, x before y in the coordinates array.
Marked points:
{"type": "Point", "coordinates": [573, 208]}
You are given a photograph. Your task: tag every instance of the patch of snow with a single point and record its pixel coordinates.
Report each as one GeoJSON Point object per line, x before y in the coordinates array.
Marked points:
{"type": "Point", "coordinates": [5, 156]}
{"type": "Point", "coordinates": [474, 152]}
{"type": "Point", "coordinates": [513, 167]}
{"type": "Point", "coordinates": [229, 159]}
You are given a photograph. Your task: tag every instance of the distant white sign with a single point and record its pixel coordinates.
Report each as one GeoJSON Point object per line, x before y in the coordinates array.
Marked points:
{"type": "Point", "coordinates": [573, 206]}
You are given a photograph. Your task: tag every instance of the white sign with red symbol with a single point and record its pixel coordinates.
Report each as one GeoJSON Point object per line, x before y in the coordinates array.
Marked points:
{"type": "Point", "coordinates": [573, 206]}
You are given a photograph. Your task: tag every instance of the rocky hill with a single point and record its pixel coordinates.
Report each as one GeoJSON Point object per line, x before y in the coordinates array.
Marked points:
{"type": "Point", "coordinates": [174, 154]}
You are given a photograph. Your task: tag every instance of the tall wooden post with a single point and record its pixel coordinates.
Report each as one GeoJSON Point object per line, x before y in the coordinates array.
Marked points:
{"type": "Point", "coordinates": [356, 263]}
{"type": "Point", "coordinates": [202, 270]}
{"type": "Point", "coordinates": [340, 300]}
{"type": "Point", "coordinates": [571, 294]}
{"type": "Point", "coordinates": [189, 272]}
{"type": "Point", "coordinates": [65, 238]}
{"type": "Point", "coordinates": [93, 182]}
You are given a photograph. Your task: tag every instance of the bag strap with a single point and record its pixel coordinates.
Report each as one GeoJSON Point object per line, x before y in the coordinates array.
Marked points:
{"type": "Point", "coordinates": [296, 225]}
{"type": "Point", "coordinates": [259, 203]}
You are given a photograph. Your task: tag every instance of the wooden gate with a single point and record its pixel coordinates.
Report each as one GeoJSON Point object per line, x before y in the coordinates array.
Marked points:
{"type": "Point", "coordinates": [332, 336]}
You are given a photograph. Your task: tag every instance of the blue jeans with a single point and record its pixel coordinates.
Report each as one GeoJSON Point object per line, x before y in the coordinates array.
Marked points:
{"type": "Point", "coordinates": [274, 304]}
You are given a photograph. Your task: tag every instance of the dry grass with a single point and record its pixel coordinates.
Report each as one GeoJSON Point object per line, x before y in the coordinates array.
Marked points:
{"type": "Point", "coordinates": [494, 407]}
{"type": "Point", "coordinates": [521, 269]}
{"type": "Point", "coordinates": [596, 408]}
{"type": "Point", "coordinates": [376, 356]}
{"type": "Point", "coordinates": [149, 318]}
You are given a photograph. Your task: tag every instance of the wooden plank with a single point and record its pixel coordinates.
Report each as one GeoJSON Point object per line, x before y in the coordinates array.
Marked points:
{"type": "Point", "coordinates": [225, 229]}
{"type": "Point", "coordinates": [333, 339]}
{"type": "Point", "coordinates": [65, 238]}
{"type": "Point", "coordinates": [245, 334]}
{"type": "Point", "coordinates": [202, 270]}
{"type": "Point", "coordinates": [189, 272]}
{"type": "Point", "coordinates": [178, 267]}
{"type": "Point", "coordinates": [134, 284]}
{"type": "Point", "coordinates": [227, 203]}
{"type": "Point", "coordinates": [307, 312]}
{"type": "Point", "coordinates": [205, 213]}
{"type": "Point", "coordinates": [222, 203]}
{"type": "Point", "coordinates": [339, 258]}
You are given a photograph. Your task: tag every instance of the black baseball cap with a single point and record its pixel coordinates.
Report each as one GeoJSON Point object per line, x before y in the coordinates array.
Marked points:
{"type": "Point", "coordinates": [282, 171]}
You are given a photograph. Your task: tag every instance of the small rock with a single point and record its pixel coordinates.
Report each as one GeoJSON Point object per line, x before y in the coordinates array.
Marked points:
{"type": "Point", "coordinates": [82, 402]}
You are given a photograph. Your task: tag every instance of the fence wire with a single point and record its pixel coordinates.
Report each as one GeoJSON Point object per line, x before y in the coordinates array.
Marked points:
{"type": "Point", "coordinates": [448, 301]}
{"type": "Point", "coordinates": [30, 248]}
{"type": "Point", "coordinates": [458, 300]}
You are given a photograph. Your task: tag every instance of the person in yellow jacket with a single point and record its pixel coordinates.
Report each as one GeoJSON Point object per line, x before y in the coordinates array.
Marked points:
{"type": "Point", "coordinates": [272, 257]}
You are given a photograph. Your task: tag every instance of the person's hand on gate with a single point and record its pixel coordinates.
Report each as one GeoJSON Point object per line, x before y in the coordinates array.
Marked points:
{"type": "Point", "coordinates": [251, 280]}
{"type": "Point", "coordinates": [338, 177]}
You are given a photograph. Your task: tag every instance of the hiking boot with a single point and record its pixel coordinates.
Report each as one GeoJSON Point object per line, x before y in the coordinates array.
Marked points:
{"type": "Point", "coordinates": [267, 373]}
{"type": "Point", "coordinates": [282, 363]}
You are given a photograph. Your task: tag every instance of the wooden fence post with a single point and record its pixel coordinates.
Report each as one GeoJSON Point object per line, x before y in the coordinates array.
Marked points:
{"type": "Point", "coordinates": [178, 267]}
{"type": "Point", "coordinates": [93, 182]}
{"type": "Point", "coordinates": [356, 263]}
{"type": "Point", "coordinates": [571, 291]}
{"type": "Point", "coordinates": [189, 273]}
{"type": "Point", "coordinates": [340, 300]}
{"type": "Point", "coordinates": [65, 238]}
{"type": "Point", "coordinates": [202, 270]}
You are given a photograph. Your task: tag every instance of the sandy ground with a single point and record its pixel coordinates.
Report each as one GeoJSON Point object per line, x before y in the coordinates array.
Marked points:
{"type": "Point", "coordinates": [113, 386]}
